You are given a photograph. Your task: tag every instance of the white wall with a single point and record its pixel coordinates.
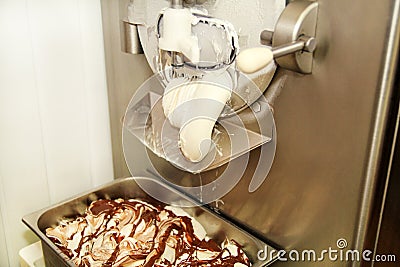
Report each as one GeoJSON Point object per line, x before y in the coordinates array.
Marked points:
{"type": "Point", "coordinates": [54, 124]}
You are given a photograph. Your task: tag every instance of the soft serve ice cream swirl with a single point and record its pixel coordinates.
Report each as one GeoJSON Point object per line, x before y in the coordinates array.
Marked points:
{"type": "Point", "coordinates": [194, 107]}
{"type": "Point", "coordinates": [135, 233]}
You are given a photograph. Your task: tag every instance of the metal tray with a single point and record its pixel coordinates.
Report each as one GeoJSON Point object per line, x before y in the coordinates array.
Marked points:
{"type": "Point", "coordinates": [217, 228]}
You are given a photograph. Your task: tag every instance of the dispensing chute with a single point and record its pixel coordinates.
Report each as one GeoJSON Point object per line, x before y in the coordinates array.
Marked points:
{"type": "Point", "coordinates": [186, 46]}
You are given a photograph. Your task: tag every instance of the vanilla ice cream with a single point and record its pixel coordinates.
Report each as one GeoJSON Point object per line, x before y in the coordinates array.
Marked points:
{"type": "Point", "coordinates": [194, 107]}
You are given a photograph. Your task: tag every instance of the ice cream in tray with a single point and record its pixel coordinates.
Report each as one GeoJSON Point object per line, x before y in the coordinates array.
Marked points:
{"type": "Point", "coordinates": [135, 233]}
{"type": "Point", "coordinates": [119, 224]}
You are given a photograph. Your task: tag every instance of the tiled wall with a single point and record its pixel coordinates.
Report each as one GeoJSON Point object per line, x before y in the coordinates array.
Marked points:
{"type": "Point", "coordinates": [54, 123]}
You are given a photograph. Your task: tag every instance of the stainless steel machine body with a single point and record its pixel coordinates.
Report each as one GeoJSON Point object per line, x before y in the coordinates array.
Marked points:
{"type": "Point", "coordinates": [334, 174]}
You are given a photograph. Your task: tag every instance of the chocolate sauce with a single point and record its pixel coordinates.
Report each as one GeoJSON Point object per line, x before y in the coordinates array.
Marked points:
{"type": "Point", "coordinates": [176, 232]}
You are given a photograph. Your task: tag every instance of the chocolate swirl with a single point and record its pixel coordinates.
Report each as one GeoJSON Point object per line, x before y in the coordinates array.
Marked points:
{"type": "Point", "coordinates": [134, 233]}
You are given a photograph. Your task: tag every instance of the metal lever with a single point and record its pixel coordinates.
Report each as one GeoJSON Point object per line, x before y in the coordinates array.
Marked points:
{"type": "Point", "coordinates": [294, 31]}
{"type": "Point", "coordinates": [304, 43]}
{"type": "Point", "coordinates": [297, 22]}
{"type": "Point", "coordinates": [254, 59]}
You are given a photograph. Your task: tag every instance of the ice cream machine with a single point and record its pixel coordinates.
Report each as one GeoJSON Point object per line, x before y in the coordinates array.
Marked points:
{"type": "Point", "coordinates": [278, 115]}
{"type": "Point", "coordinates": [204, 108]}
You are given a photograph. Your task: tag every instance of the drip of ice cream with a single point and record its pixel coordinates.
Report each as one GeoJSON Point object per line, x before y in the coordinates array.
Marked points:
{"type": "Point", "coordinates": [136, 233]}
{"type": "Point", "coordinates": [194, 107]}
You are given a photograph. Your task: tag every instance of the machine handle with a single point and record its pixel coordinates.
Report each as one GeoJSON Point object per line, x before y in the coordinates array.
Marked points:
{"type": "Point", "coordinates": [304, 43]}
{"type": "Point", "coordinates": [293, 41]}
{"type": "Point", "coordinates": [254, 59]}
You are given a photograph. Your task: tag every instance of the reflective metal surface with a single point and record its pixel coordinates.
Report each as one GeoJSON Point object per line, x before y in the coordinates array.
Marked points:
{"type": "Point", "coordinates": [216, 227]}
{"type": "Point", "coordinates": [380, 124]}
{"type": "Point", "coordinates": [303, 44]}
{"type": "Point", "coordinates": [331, 127]}
{"type": "Point", "coordinates": [130, 42]}
{"type": "Point", "coordinates": [314, 193]}
{"type": "Point", "coordinates": [298, 19]}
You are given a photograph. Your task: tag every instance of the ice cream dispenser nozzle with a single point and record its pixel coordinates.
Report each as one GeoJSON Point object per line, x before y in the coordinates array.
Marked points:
{"type": "Point", "coordinates": [177, 36]}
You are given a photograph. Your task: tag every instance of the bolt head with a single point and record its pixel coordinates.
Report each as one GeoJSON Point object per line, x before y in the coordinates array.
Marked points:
{"type": "Point", "coordinates": [310, 44]}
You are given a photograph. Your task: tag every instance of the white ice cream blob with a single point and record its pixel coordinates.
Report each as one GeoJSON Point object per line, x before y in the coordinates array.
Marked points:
{"type": "Point", "coordinates": [194, 107]}
{"type": "Point", "coordinates": [254, 59]}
